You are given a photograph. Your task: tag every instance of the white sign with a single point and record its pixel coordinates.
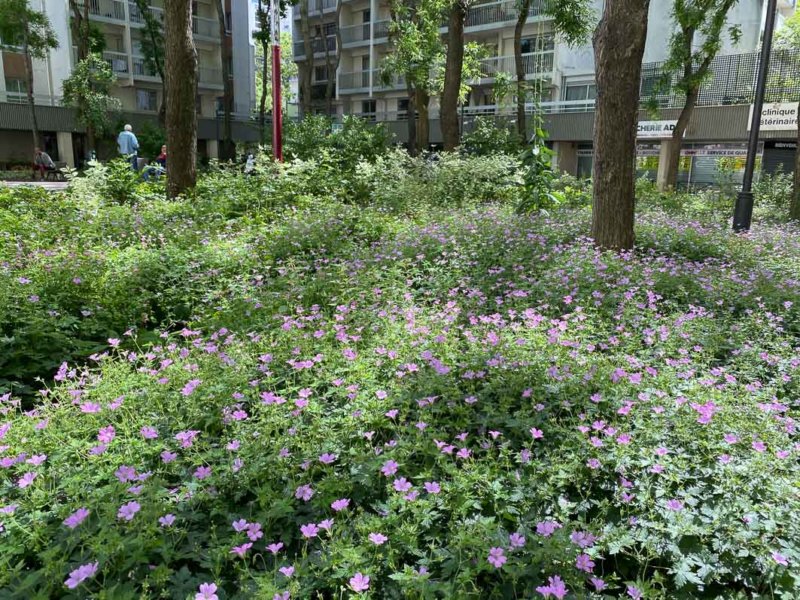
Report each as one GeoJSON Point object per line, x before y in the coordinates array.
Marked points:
{"type": "Point", "coordinates": [657, 130]}
{"type": "Point", "coordinates": [781, 116]}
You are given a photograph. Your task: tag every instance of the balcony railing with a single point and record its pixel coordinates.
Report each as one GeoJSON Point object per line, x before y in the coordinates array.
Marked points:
{"type": "Point", "coordinates": [137, 17]}
{"type": "Point", "coordinates": [316, 6]}
{"type": "Point", "coordinates": [357, 34]}
{"type": "Point", "coordinates": [497, 13]}
{"type": "Point", "coordinates": [535, 63]}
{"type": "Point", "coordinates": [205, 27]}
{"type": "Point", "coordinates": [106, 9]}
{"type": "Point", "coordinates": [140, 69]}
{"type": "Point", "coordinates": [210, 76]}
{"type": "Point", "coordinates": [118, 61]}
{"type": "Point", "coordinates": [317, 45]}
{"type": "Point", "coordinates": [359, 80]}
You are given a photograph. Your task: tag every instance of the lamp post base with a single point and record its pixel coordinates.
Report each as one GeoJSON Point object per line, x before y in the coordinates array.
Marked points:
{"type": "Point", "coordinates": [743, 214]}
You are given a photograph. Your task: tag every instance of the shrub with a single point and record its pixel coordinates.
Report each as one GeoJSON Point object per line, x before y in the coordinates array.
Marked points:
{"type": "Point", "coordinates": [489, 136]}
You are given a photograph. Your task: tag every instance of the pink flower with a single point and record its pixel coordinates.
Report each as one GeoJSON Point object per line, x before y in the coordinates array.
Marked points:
{"type": "Point", "coordinates": [599, 584]}
{"type": "Point", "coordinates": [780, 559]}
{"type": "Point", "coordinates": [556, 588]}
{"type": "Point", "coordinates": [90, 408]}
{"type": "Point", "coordinates": [76, 518]}
{"type": "Point", "coordinates": [275, 548]}
{"type": "Point", "coordinates": [359, 582]}
{"type": "Point", "coordinates": [309, 530]}
{"type": "Point", "coordinates": [106, 434]}
{"type": "Point", "coordinates": [240, 551]}
{"type": "Point", "coordinates": [207, 592]}
{"type": "Point", "coordinates": [497, 557]}
{"type": "Point", "coordinates": [166, 520]}
{"type": "Point", "coordinates": [240, 525]}
{"type": "Point", "coordinates": [341, 504]}
{"type": "Point", "coordinates": [402, 484]}
{"type": "Point", "coordinates": [287, 571]}
{"type": "Point", "coordinates": [202, 472]}
{"type": "Point", "coordinates": [536, 434]}
{"type": "Point", "coordinates": [304, 492]}
{"type": "Point", "coordinates": [584, 563]}
{"type": "Point", "coordinates": [593, 463]}
{"type": "Point", "coordinates": [327, 459]}
{"type": "Point", "coordinates": [327, 524]}
{"type": "Point", "coordinates": [675, 505]}
{"type": "Point", "coordinates": [80, 574]}
{"type": "Point", "coordinates": [190, 387]}
{"type": "Point", "coordinates": [148, 433]}
{"type": "Point", "coordinates": [547, 528]}
{"type": "Point", "coordinates": [377, 538]}
{"type": "Point", "coordinates": [516, 540]}
{"type": "Point", "coordinates": [389, 468]}
{"type": "Point", "coordinates": [759, 446]}
{"type": "Point", "coordinates": [432, 487]}
{"type": "Point", "coordinates": [583, 539]}
{"type": "Point", "coordinates": [26, 480]}
{"type": "Point", "coordinates": [125, 473]}
{"type": "Point", "coordinates": [254, 532]}
{"type": "Point", "coordinates": [113, 342]}
{"type": "Point", "coordinates": [168, 457]}
{"type": "Point", "coordinates": [128, 511]}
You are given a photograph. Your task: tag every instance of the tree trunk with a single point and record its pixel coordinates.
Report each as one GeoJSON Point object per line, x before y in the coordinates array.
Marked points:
{"type": "Point", "coordinates": [264, 24]}
{"type": "Point", "coordinates": [333, 67]}
{"type": "Point", "coordinates": [29, 83]}
{"type": "Point", "coordinates": [152, 33]}
{"type": "Point", "coordinates": [618, 48]}
{"type": "Point", "coordinates": [227, 150]}
{"type": "Point", "coordinates": [452, 75]}
{"type": "Point", "coordinates": [673, 155]}
{"type": "Point", "coordinates": [81, 34]}
{"type": "Point", "coordinates": [423, 123]}
{"type": "Point", "coordinates": [181, 84]}
{"type": "Point", "coordinates": [412, 119]}
{"type": "Point", "coordinates": [519, 67]}
{"type": "Point", "coordinates": [794, 213]}
{"type": "Point", "coordinates": [305, 68]}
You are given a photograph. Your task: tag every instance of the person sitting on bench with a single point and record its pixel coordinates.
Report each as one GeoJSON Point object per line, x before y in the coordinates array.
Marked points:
{"type": "Point", "coordinates": [155, 171]}
{"type": "Point", "coordinates": [42, 163]}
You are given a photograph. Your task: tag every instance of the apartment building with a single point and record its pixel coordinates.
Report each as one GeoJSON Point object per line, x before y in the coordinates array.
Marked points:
{"type": "Point", "coordinates": [564, 78]}
{"type": "Point", "coordinates": [139, 90]}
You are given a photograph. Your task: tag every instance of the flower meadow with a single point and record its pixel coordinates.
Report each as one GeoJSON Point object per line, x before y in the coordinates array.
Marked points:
{"type": "Point", "coordinates": [314, 399]}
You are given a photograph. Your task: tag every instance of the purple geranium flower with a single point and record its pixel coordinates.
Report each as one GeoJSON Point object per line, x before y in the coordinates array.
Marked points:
{"type": "Point", "coordinates": [80, 574]}
{"type": "Point", "coordinates": [128, 511]}
{"type": "Point", "coordinates": [497, 557]}
{"type": "Point", "coordinates": [359, 582]}
{"type": "Point", "coordinates": [207, 592]}
{"type": "Point", "coordinates": [76, 518]}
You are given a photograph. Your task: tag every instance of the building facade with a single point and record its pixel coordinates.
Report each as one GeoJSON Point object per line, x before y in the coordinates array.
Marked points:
{"type": "Point", "coordinates": [139, 90]}
{"type": "Point", "coordinates": [564, 78]}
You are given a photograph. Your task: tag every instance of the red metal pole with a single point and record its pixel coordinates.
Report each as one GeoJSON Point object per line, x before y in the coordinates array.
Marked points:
{"type": "Point", "coordinates": [277, 112]}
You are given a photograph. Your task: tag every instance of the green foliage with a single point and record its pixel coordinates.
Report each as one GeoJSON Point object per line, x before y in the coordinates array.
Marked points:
{"type": "Point", "coordinates": [87, 90]}
{"type": "Point", "coordinates": [356, 140]}
{"type": "Point", "coordinates": [539, 174]}
{"type": "Point", "coordinates": [152, 39]}
{"type": "Point", "coordinates": [773, 194]}
{"type": "Point", "coordinates": [489, 136]}
{"type": "Point", "coordinates": [151, 137]}
{"type": "Point", "coordinates": [289, 71]}
{"type": "Point", "coordinates": [22, 27]}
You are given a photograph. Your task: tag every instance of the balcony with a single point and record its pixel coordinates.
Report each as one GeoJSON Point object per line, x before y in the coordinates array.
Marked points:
{"type": "Point", "coordinates": [358, 81]}
{"type": "Point", "coordinates": [106, 10]}
{"type": "Point", "coordinates": [207, 28]}
{"type": "Point", "coordinates": [140, 70]}
{"type": "Point", "coordinates": [210, 77]}
{"type": "Point", "coordinates": [535, 64]}
{"type": "Point", "coordinates": [316, 7]}
{"type": "Point", "coordinates": [137, 18]}
{"type": "Point", "coordinates": [118, 61]}
{"type": "Point", "coordinates": [357, 35]}
{"type": "Point", "coordinates": [317, 45]}
{"type": "Point", "coordinates": [503, 13]}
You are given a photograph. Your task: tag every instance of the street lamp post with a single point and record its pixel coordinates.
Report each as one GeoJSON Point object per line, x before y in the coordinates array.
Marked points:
{"type": "Point", "coordinates": [277, 105]}
{"type": "Point", "coordinates": [743, 214]}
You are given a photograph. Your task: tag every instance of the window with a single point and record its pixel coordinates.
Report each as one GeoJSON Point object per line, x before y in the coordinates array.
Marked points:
{"type": "Point", "coordinates": [538, 43]}
{"type": "Point", "coordinates": [580, 91]}
{"type": "Point", "coordinates": [368, 109]}
{"type": "Point", "coordinates": [16, 91]}
{"type": "Point", "coordinates": [402, 109]}
{"type": "Point", "coordinates": [366, 16]}
{"type": "Point", "coordinates": [146, 100]}
{"type": "Point", "coordinates": [321, 73]}
{"type": "Point", "coordinates": [365, 62]}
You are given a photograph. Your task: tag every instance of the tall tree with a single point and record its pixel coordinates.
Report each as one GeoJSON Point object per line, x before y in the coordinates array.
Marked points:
{"type": "Point", "coordinates": [694, 45]}
{"type": "Point", "coordinates": [572, 20]}
{"type": "Point", "coordinates": [29, 31]}
{"type": "Point", "coordinates": [454, 63]}
{"type": "Point", "coordinates": [788, 38]}
{"type": "Point", "coordinates": [264, 79]}
{"type": "Point", "coordinates": [227, 150]}
{"type": "Point", "coordinates": [618, 49]}
{"type": "Point", "coordinates": [417, 53]}
{"type": "Point", "coordinates": [152, 44]}
{"type": "Point", "coordinates": [332, 63]}
{"type": "Point", "coordinates": [263, 37]}
{"type": "Point", "coordinates": [181, 85]}
{"type": "Point", "coordinates": [306, 68]}
{"type": "Point", "coordinates": [88, 91]}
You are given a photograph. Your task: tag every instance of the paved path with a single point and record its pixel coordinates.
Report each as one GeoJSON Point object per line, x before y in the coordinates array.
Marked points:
{"type": "Point", "coordinates": [52, 186]}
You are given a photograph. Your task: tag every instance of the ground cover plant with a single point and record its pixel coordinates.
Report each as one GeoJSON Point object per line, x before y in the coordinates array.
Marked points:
{"type": "Point", "coordinates": [281, 389]}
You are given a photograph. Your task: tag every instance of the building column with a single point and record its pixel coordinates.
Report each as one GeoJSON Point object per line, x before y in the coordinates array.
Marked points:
{"type": "Point", "coordinates": [566, 157]}
{"type": "Point", "coordinates": [212, 147]}
{"type": "Point", "coordinates": [66, 152]}
{"type": "Point", "coordinates": [661, 176]}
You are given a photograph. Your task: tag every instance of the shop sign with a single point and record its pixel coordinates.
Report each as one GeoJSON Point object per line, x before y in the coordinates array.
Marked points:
{"type": "Point", "coordinates": [779, 116]}
{"type": "Point", "coordinates": [657, 130]}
